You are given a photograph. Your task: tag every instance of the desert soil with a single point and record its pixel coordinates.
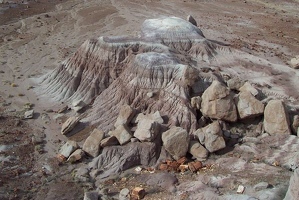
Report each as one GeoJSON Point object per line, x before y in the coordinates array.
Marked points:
{"type": "Point", "coordinates": [36, 36]}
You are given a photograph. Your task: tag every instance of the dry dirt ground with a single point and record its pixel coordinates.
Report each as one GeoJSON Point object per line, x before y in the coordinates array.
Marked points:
{"type": "Point", "coordinates": [35, 36]}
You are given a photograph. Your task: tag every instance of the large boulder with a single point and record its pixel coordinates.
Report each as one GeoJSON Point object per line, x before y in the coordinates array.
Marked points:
{"type": "Point", "coordinates": [276, 118]}
{"type": "Point", "coordinates": [147, 130]}
{"type": "Point", "coordinates": [176, 142]}
{"type": "Point", "coordinates": [211, 137]}
{"type": "Point", "coordinates": [248, 106]}
{"type": "Point", "coordinates": [115, 159]}
{"type": "Point", "coordinates": [198, 151]}
{"type": "Point", "coordinates": [217, 103]}
{"type": "Point", "coordinates": [122, 133]}
{"type": "Point", "coordinates": [93, 143]}
{"type": "Point", "coordinates": [125, 115]}
{"type": "Point", "coordinates": [293, 191]}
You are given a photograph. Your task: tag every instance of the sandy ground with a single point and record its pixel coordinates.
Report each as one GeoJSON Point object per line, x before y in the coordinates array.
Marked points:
{"type": "Point", "coordinates": [36, 36]}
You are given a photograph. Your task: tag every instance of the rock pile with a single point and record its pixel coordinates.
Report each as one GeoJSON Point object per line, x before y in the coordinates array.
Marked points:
{"type": "Point", "coordinates": [154, 102]}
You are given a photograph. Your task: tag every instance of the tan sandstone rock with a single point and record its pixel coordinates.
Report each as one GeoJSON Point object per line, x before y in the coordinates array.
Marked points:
{"type": "Point", "coordinates": [217, 103]}
{"type": "Point", "coordinates": [125, 116]}
{"type": "Point", "coordinates": [211, 137]}
{"type": "Point", "coordinates": [295, 62]}
{"type": "Point", "coordinates": [92, 144]}
{"type": "Point", "coordinates": [176, 142]}
{"type": "Point", "coordinates": [276, 118]}
{"type": "Point", "coordinates": [248, 106]}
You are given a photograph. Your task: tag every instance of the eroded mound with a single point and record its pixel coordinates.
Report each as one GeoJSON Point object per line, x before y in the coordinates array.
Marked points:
{"type": "Point", "coordinates": [171, 59]}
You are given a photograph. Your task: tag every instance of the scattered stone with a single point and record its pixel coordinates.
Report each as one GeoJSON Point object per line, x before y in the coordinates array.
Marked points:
{"type": "Point", "coordinates": [62, 110]}
{"type": "Point", "coordinates": [198, 151]}
{"type": "Point", "coordinates": [29, 114]}
{"type": "Point", "coordinates": [69, 125]}
{"type": "Point", "coordinates": [150, 94]}
{"type": "Point", "coordinates": [147, 130]}
{"type": "Point", "coordinates": [78, 105]}
{"type": "Point", "coordinates": [196, 102]}
{"type": "Point", "coordinates": [109, 141]}
{"type": "Point", "coordinates": [235, 84]}
{"type": "Point", "coordinates": [176, 142]}
{"type": "Point", "coordinates": [92, 195]}
{"type": "Point", "coordinates": [293, 190]}
{"type": "Point", "coordinates": [76, 156]}
{"type": "Point", "coordinates": [217, 103]}
{"type": "Point", "coordinates": [240, 189]}
{"type": "Point", "coordinates": [195, 166]}
{"type": "Point", "coordinates": [124, 194]}
{"type": "Point", "coordinates": [122, 133]}
{"type": "Point", "coordinates": [261, 186]}
{"type": "Point", "coordinates": [247, 87]}
{"type": "Point", "coordinates": [138, 193]}
{"type": "Point", "coordinates": [125, 116]}
{"type": "Point", "coordinates": [61, 158]}
{"type": "Point", "coordinates": [93, 143]}
{"type": "Point", "coordinates": [191, 20]}
{"type": "Point", "coordinates": [295, 62]}
{"type": "Point", "coordinates": [276, 118]}
{"type": "Point", "coordinates": [248, 106]}
{"type": "Point", "coordinates": [68, 148]}
{"type": "Point", "coordinates": [211, 137]}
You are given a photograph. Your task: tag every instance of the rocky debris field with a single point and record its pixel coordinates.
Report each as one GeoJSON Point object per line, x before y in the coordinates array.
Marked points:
{"type": "Point", "coordinates": [121, 100]}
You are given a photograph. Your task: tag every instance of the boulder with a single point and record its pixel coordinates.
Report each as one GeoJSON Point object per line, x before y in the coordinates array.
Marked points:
{"type": "Point", "coordinates": [109, 141]}
{"type": "Point", "coordinates": [93, 143]}
{"type": "Point", "coordinates": [247, 87]}
{"type": "Point", "coordinates": [295, 62]}
{"type": "Point", "coordinates": [147, 130]}
{"type": "Point", "coordinates": [196, 102]}
{"type": "Point", "coordinates": [293, 190]}
{"type": "Point", "coordinates": [68, 148]}
{"type": "Point", "coordinates": [69, 125]}
{"type": "Point", "coordinates": [276, 118]}
{"type": "Point", "coordinates": [217, 103]}
{"type": "Point", "coordinates": [125, 115]}
{"type": "Point", "coordinates": [191, 20]}
{"type": "Point", "coordinates": [116, 159]}
{"type": "Point", "coordinates": [211, 137]}
{"type": "Point", "coordinates": [122, 133]}
{"type": "Point", "coordinates": [198, 151]}
{"type": "Point", "coordinates": [76, 156]}
{"type": "Point", "coordinates": [248, 106]}
{"type": "Point", "coordinates": [176, 142]}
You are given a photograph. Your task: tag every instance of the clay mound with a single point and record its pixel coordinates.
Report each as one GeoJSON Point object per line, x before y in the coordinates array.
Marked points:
{"type": "Point", "coordinates": [171, 59]}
